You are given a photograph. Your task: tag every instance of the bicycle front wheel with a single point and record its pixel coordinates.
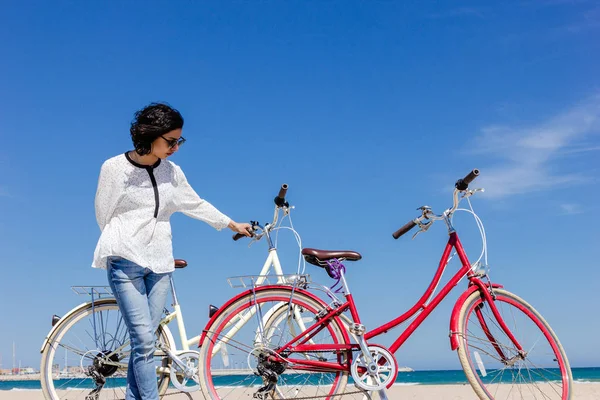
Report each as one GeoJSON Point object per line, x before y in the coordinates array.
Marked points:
{"type": "Point", "coordinates": [89, 346]}
{"type": "Point", "coordinates": [494, 366]}
{"type": "Point", "coordinates": [239, 352]}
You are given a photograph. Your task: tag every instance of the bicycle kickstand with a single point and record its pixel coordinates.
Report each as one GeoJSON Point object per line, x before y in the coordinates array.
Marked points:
{"type": "Point", "coordinates": [383, 395]}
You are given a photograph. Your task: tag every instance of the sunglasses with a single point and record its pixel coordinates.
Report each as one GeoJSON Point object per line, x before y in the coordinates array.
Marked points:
{"type": "Point", "coordinates": [174, 142]}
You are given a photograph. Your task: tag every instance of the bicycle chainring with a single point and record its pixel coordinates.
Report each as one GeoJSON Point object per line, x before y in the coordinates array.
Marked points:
{"type": "Point", "coordinates": [378, 375]}
{"type": "Point", "coordinates": [186, 379]}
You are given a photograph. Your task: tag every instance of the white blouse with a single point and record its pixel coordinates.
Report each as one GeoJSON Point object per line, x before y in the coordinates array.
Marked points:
{"type": "Point", "coordinates": [134, 203]}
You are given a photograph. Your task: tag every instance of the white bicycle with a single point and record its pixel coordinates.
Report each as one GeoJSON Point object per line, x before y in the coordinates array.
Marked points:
{"type": "Point", "coordinates": [85, 355]}
{"type": "Point", "coordinates": [232, 367]}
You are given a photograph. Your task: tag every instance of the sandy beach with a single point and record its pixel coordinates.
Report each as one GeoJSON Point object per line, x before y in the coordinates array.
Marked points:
{"type": "Point", "coordinates": [583, 391]}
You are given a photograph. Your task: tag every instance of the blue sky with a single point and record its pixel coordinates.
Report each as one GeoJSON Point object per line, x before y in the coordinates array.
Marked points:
{"type": "Point", "coordinates": [367, 110]}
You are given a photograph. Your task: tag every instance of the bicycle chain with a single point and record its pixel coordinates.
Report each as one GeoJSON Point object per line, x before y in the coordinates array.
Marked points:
{"type": "Point", "coordinates": [307, 397]}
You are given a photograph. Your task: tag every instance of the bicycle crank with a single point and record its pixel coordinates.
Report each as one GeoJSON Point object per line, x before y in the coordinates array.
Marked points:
{"type": "Point", "coordinates": [184, 371]}
{"type": "Point", "coordinates": [376, 375]}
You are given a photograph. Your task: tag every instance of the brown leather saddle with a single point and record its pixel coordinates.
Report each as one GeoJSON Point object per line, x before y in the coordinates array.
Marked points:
{"type": "Point", "coordinates": [320, 257]}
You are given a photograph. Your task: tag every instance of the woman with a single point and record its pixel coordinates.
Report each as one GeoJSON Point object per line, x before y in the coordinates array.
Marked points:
{"type": "Point", "coordinates": [137, 193]}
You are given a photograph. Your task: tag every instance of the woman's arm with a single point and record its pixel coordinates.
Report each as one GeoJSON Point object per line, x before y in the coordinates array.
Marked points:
{"type": "Point", "coordinates": [107, 195]}
{"type": "Point", "coordinates": [188, 202]}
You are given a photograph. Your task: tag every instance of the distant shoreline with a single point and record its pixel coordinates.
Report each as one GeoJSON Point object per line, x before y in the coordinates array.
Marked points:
{"type": "Point", "coordinates": [24, 377]}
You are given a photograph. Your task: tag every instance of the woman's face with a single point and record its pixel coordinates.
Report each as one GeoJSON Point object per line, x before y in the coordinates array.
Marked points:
{"type": "Point", "coordinates": [167, 144]}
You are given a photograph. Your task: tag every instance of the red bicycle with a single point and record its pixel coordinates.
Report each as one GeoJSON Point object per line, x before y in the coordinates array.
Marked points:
{"type": "Point", "coordinates": [290, 343]}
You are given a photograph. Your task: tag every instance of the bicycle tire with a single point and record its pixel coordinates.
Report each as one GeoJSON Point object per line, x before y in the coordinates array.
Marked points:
{"type": "Point", "coordinates": [245, 348]}
{"type": "Point", "coordinates": [92, 345]}
{"type": "Point", "coordinates": [543, 371]}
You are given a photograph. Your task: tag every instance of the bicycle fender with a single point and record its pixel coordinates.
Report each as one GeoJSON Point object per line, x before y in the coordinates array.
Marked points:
{"type": "Point", "coordinates": [456, 310]}
{"type": "Point", "coordinates": [241, 295]}
{"type": "Point", "coordinates": [67, 315]}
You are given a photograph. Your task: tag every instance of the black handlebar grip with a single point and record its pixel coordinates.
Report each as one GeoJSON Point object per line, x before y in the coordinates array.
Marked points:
{"type": "Point", "coordinates": [280, 199]}
{"type": "Point", "coordinates": [407, 227]}
{"type": "Point", "coordinates": [471, 176]}
{"type": "Point", "coordinates": [283, 191]}
{"type": "Point", "coordinates": [463, 184]}
{"type": "Point", "coordinates": [238, 236]}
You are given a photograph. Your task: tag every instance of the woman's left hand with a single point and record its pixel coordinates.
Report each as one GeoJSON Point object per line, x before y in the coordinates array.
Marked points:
{"type": "Point", "coordinates": [243, 228]}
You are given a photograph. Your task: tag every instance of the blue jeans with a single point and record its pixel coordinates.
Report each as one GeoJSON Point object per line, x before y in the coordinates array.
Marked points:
{"type": "Point", "coordinates": [141, 295]}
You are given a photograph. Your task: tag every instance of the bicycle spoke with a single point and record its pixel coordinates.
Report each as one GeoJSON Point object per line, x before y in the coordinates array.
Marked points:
{"type": "Point", "coordinates": [537, 371]}
{"type": "Point", "coordinates": [91, 344]}
{"type": "Point", "coordinates": [258, 342]}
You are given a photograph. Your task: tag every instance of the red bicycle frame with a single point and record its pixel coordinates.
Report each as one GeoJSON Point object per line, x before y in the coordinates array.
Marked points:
{"type": "Point", "coordinates": [299, 343]}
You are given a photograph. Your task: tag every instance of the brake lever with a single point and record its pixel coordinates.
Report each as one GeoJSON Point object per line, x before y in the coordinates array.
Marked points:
{"type": "Point", "coordinates": [287, 210]}
{"type": "Point", "coordinates": [471, 192]}
{"type": "Point", "coordinates": [415, 235]}
{"type": "Point", "coordinates": [424, 227]}
{"type": "Point", "coordinates": [255, 238]}
{"type": "Point", "coordinates": [424, 209]}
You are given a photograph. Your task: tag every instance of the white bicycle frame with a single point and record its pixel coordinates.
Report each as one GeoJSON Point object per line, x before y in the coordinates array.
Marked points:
{"type": "Point", "coordinates": [108, 296]}
{"type": "Point", "coordinates": [272, 263]}
{"type": "Point", "coordinates": [178, 315]}
{"type": "Point", "coordinates": [271, 267]}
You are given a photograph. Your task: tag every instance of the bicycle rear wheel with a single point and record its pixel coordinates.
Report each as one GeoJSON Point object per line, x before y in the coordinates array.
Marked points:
{"type": "Point", "coordinates": [89, 345]}
{"type": "Point", "coordinates": [254, 328]}
{"type": "Point", "coordinates": [493, 365]}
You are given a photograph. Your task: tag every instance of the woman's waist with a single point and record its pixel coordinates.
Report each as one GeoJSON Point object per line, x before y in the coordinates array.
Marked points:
{"type": "Point", "coordinates": [142, 231]}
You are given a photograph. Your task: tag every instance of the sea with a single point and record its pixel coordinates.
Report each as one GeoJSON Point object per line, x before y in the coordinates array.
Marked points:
{"type": "Point", "coordinates": [444, 377]}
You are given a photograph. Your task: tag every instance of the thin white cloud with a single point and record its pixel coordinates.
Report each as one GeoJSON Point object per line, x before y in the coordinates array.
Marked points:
{"type": "Point", "coordinates": [525, 157]}
{"type": "Point", "coordinates": [571, 209]}
{"type": "Point", "coordinates": [581, 149]}
{"type": "Point", "coordinates": [459, 12]}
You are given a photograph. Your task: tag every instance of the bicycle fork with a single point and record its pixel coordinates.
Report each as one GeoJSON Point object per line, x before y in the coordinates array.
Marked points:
{"type": "Point", "coordinates": [490, 299]}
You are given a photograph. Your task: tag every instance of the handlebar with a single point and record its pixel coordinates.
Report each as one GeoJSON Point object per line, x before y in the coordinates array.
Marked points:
{"type": "Point", "coordinates": [283, 191]}
{"type": "Point", "coordinates": [238, 236]}
{"type": "Point", "coordinates": [280, 199]}
{"type": "Point", "coordinates": [461, 186]}
{"type": "Point", "coordinates": [280, 203]}
{"type": "Point", "coordinates": [407, 227]}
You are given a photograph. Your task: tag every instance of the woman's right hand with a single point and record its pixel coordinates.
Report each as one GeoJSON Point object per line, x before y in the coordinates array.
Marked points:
{"type": "Point", "coordinates": [243, 228]}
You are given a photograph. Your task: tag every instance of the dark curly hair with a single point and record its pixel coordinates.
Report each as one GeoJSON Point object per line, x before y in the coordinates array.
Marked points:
{"type": "Point", "coordinates": [152, 121]}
